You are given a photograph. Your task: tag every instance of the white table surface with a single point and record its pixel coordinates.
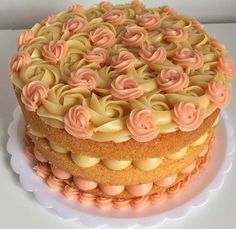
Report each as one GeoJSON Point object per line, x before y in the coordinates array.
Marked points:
{"type": "Point", "coordinates": [19, 209]}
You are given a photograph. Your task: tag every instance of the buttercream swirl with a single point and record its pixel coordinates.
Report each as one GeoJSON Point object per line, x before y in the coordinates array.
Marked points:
{"type": "Point", "coordinates": [226, 65]}
{"type": "Point", "coordinates": [141, 125]}
{"type": "Point", "coordinates": [168, 10]}
{"type": "Point", "coordinates": [219, 93]}
{"type": "Point", "coordinates": [106, 5]}
{"type": "Point", "coordinates": [84, 78]}
{"type": "Point", "coordinates": [125, 88]}
{"type": "Point", "coordinates": [102, 38]}
{"type": "Point", "coordinates": [25, 37]}
{"type": "Point", "coordinates": [134, 36]}
{"type": "Point", "coordinates": [50, 19]}
{"type": "Point", "coordinates": [76, 8]}
{"type": "Point", "coordinates": [54, 51]}
{"type": "Point", "coordinates": [189, 58]}
{"type": "Point", "coordinates": [19, 61]}
{"type": "Point", "coordinates": [149, 21]}
{"type": "Point", "coordinates": [77, 122]}
{"type": "Point", "coordinates": [188, 116]}
{"type": "Point", "coordinates": [137, 4]}
{"type": "Point", "coordinates": [71, 193]}
{"type": "Point", "coordinates": [175, 34]}
{"type": "Point", "coordinates": [74, 25]}
{"type": "Point", "coordinates": [115, 17]}
{"type": "Point", "coordinates": [96, 55]}
{"type": "Point", "coordinates": [32, 95]}
{"type": "Point", "coordinates": [123, 61]}
{"type": "Point", "coordinates": [170, 80]}
{"type": "Point", "coordinates": [217, 45]}
{"type": "Point", "coordinates": [152, 55]}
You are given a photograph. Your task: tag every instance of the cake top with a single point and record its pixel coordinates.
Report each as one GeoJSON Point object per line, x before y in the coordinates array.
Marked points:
{"type": "Point", "coordinates": [116, 72]}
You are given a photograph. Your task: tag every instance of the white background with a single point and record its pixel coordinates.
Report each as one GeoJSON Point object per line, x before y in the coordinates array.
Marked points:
{"type": "Point", "coordinates": [19, 14]}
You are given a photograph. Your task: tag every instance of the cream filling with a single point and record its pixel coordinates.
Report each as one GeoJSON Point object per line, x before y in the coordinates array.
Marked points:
{"type": "Point", "coordinates": [116, 164]}
{"type": "Point", "coordinates": [84, 161]}
{"type": "Point", "coordinates": [148, 164]}
{"type": "Point", "coordinates": [201, 140]}
{"type": "Point", "coordinates": [57, 148]}
{"type": "Point", "coordinates": [178, 155]}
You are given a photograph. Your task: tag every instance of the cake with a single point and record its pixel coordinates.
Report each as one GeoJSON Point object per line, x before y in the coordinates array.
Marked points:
{"type": "Point", "coordinates": [120, 102]}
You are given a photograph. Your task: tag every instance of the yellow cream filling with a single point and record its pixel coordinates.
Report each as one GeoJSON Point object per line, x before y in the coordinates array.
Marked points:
{"type": "Point", "coordinates": [178, 155]}
{"type": "Point", "coordinates": [201, 140]}
{"type": "Point", "coordinates": [148, 164]}
{"type": "Point", "coordinates": [84, 161]}
{"type": "Point", "coordinates": [57, 148]}
{"type": "Point", "coordinates": [116, 164]}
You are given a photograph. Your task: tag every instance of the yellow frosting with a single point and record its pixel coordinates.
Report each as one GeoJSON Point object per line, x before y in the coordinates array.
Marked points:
{"type": "Point", "coordinates": [201, 140]}
{"type": "Point", "coordinates": [84, 161]}
{"type": "Point", "coordinates": [108, 115]}
{"type": "Point", "coordinates": [57, 148]}
{"type": "Point", "coordinates": [116, 165]}
{"type": "Point", "coordinates": [148, 164]}
{"type": "Point", "coordinates": [178, 155]}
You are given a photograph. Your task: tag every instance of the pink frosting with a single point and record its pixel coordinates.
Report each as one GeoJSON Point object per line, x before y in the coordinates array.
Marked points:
{"type": "Point", "coordinates": [86, 198]}
{"type": "Point", "coordinates": [115, 17]}
{"type": "Point", "coordinates": [39, 156]}
{"type": "Point", "coordinates": [121, 203]}
{"type": "Point", "coordinates": [204, 162]}
{"type": "Point", "coordinates": [188, 116]}
{"type": "Point", "coordinates": [96, 55]}
{"type": "Point", "coordinates": [175, 34]}
{"type": "Point", "coordinates": [168, 10]}
{"type": "Point", "coordinates": [49, 19]}
{"type": "Point", "coordinates": [84, 77]}
{"type": "Point", "coordinates": [33, 94]}
{"type": "Point", "coordinates": [204, 151]}
{"type": "Point", "coordinates": [187, 181]}
{"type": "Point", "coordinates": [219, 93]}
{"type": "Point", "coordinates": [149, 21]}
{"type": "Point", "coordinates": [77, 122]}
{"type": "Point", "coordinates": [103, 202]}
{"type": "Point", "coordinates": [84, 185]}
{"type": "Point", "coordinates": [60, 173]}
{"type": "Point", "coordinates": [137, 4]}
{"type": "Point", "coordinates": [102, 38]}
{"type": "Point", "coordinates": [157, 197]}
{"type": "Point", "coordinates": [123, 61]}
{"type": "Point", "coordinates": [71, 193]}
{"type": "Point", "coordinates": [153, 55]}
{"type": "Point", "coordinates": [29, 152]}
{"type": "Point", "coordinates": [217, 45]}
{"type": "Point", "coordinates": [140, 189]}
{"type": "Point", "coordinates": [42, 170]}
{"type": "Point", "coordinates": [25, 37]}
{"type": "Point", "coordinates": [169, 80]}
{"type": "Point", "coordinates": [19, 61]}
{"type": "Point", "coordinates": [112, 190]}
{"type": "Point", "coordinates": [226, 65]}
{"type": "Point", "coordinates": [106, 5]}
{"type": "Point", "coordinates": [139, 202]}
{"type": "Point", "coordinates": [125, 88]}
{"type": "Point", "coordinates": [189, 58]}
{"type": "Point", "coordinates": [135, 36]}
{"type": "Point", "coordinates": [54, 51]}
{"type": "Point", "coordinates": [76, 8]}
{"type": "Point", "coordinates": [196, 24]}
{"type": "Point", "coordinates": [74, 25]}
{"type": "Point", "coordinates": [174, 190]}
{"type": "Point", "coordinates": [141, 125]}
{"type": "Point", "coordinates": [167, 181]}
{"type": "Point", "coordinates": [189, 168]}
{"type": "Point", "coordinates": [55, 184]}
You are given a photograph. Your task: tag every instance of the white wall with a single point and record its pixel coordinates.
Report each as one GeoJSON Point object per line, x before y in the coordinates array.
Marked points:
{"type": "Point", "coordinates": [24, 13]}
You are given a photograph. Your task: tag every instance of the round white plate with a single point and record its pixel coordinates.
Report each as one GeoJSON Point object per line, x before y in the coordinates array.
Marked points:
{"type": "Point", "coordinates": [148, 217]}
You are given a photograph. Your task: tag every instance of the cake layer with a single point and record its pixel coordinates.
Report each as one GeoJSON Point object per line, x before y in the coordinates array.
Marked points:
{"type": "Point", "coordinates": [131, 175]}
{"type": "Point", "coordinates": [163, 145]}
{"type": "Point", "coordinates": [57, 179]}
{"type": "Point", "coordinates": [148, 164]}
